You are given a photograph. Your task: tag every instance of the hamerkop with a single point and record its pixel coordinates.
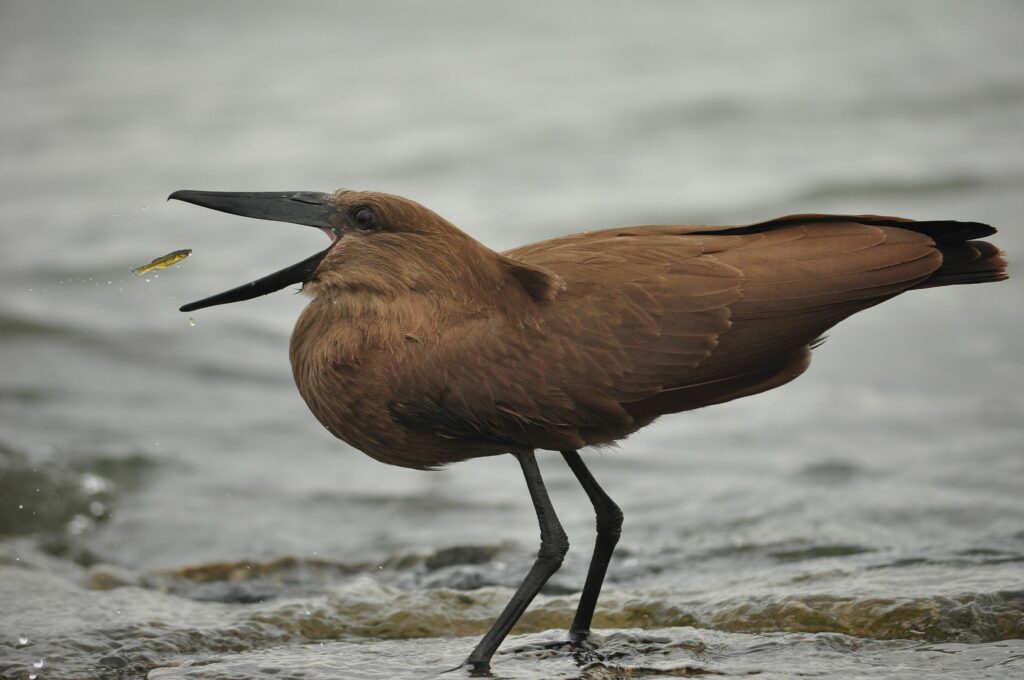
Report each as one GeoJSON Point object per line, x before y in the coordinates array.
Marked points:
{"type": "Point", "coordinates": [422, 347]}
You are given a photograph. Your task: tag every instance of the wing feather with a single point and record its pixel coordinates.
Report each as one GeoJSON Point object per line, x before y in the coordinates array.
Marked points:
{"type": "Point", "coordinates": [659, 319]}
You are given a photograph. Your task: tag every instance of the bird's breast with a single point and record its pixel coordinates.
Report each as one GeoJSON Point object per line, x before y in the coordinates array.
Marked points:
{"type": "Point", "coordinates": [347, 370]}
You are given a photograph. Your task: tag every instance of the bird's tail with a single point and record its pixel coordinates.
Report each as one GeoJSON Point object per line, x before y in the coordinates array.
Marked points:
{"type": "Point", "coordinates": [967, 262]}
{"type": "Point", "coordinates": [964, 260]}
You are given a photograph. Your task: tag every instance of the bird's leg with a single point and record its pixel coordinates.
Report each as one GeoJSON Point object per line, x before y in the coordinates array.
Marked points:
{"type": "Point", "coordinates": [609, 528]}
{"type": "Point", "coordinates": [553, 546]}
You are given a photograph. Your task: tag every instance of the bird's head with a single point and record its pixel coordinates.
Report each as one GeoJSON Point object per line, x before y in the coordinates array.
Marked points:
{"type": "Point", "coordinates": [380, 244]}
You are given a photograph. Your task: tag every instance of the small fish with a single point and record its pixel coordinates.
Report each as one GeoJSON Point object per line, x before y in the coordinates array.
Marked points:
{"type": "Point", "coordinates": [163, 262]}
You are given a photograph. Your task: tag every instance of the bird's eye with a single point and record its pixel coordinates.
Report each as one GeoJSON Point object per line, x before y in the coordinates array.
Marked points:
{"type": "Point", "coordinates": [364, 219]}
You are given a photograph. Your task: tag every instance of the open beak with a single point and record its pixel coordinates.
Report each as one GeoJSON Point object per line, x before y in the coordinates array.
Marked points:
{"type": "Point", "coordinates": [300, 207]}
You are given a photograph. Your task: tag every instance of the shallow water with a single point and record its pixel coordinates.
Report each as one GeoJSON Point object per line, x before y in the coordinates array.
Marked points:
{"type": "Point", "coordinates": [168, 507]}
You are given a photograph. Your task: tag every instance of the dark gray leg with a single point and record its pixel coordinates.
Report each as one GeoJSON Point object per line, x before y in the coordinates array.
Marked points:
{"type": "Point", "coordinates": [553, 546]}
{"type": "Point", "coordinates": [609, 528]}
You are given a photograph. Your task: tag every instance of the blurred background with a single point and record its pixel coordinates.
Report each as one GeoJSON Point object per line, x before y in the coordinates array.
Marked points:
{"type": "Point", "coordinates": [169, 508]}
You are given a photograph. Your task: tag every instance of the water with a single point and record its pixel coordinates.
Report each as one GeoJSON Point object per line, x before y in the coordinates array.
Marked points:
{"type": "Point", "coordinates": [168, 507]}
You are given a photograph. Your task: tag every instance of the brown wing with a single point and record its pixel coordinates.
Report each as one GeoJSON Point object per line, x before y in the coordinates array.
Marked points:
{"type": "Point", "coordinates": [657, 320]}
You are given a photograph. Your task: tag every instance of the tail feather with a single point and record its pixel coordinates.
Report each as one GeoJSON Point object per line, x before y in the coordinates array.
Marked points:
{"type": "Point", "coordinates": [941, 231]}
{"type": "Point", "coordinates": [967, 262]}
{"type": "Point", "coordinates": [964, 260]}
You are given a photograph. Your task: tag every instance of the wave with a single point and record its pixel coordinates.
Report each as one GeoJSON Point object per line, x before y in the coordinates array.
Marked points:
{"type": "Point", "coordinates": [366, 605]}
{"type": "Point", "coordinates": [14, 326]}
{"type": "Point", "coordinates": [56, 500]}
{"type": "Point", "coordinates": [254, 581]}
{"type": "Point", "coordinates": [636, 635]}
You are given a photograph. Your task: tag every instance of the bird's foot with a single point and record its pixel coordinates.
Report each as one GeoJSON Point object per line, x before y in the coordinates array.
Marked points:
{"type": "Point", "coordinates": [472, 669]}
{"type": "Point", "coordinates": [581, 648]}
{"type": "Point", "coordinates": [584, 649]}
{"type": "Point", "coordinates": [579, 645]}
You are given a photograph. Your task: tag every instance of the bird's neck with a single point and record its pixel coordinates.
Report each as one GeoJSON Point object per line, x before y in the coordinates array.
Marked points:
{"type": "Point", "coordinates": [343, 328]}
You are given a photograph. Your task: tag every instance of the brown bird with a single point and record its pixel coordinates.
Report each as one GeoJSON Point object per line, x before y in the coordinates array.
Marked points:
{"type": "Point", "coordinates": [422, 347]}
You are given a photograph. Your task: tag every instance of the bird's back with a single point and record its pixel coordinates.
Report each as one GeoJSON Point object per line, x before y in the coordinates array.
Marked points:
{"type": "Point", "coordinates": [661, 319]}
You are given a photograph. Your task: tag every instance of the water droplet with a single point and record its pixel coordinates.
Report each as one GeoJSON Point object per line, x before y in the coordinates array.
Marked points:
{"type": "Point", "coordinates": [144, 208]}
{"type": "Point", "coordinates": [22, 639]}
{"type": "Point", "coordinates": [109, 282]}
{"type": "Point", "coordinates": [93, 484]}
{"type": "Point", "coordinates": [97, 509]}
{"type": "Point", "coordinates": [78, 524]}
{"type": "Point", "coordinates": [32, 676]}
{"type": "Point", "coordinates": [147, 280]}
{"type": "Point", "coordinates": [37, 664]}
{"type": "Point", "coordinates": [21, 507]}
{"type": "Point", "coordinates": [191, 321]}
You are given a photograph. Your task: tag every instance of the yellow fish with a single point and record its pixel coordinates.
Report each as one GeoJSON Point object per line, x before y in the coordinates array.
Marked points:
{"type": "Point", "coordinates": [162, 262]}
